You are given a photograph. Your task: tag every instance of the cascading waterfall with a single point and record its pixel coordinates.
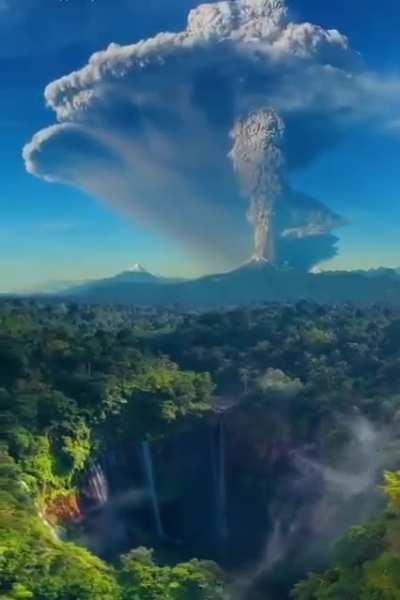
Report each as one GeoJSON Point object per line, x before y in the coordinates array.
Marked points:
{"type": "Point", "coordinates": [98, 485]}
{"type": "Point", "coordinates": [149, 474]}
{"type": "Point", "coordinates": [221, 495]}
{"type": "Point", "coordinates": [274, 550]}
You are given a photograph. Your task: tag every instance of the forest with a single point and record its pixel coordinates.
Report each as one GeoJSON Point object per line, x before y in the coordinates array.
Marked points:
{"type": "Point", "coordinates": [149, 454]}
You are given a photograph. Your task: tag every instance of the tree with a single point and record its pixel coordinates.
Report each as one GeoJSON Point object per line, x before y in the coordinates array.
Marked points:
{"type": "Point", "coordinates": [392, 489]}
{"type": "Point", "coordinates": [142, 579]}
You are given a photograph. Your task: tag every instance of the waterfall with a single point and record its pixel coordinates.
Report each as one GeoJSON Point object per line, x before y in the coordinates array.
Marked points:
{"type": "Point", "coordinates": [98, 485]}
{"type": "Point", "coordinates": [275, 549]}
{"type": "Point", "coordinates": [220, 470]}
{"type": "Point", "coordinates": [149, 474]}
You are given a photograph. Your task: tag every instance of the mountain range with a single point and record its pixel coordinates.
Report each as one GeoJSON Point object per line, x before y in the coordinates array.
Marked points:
{"type": "Point", "coordinates": [253, 282]}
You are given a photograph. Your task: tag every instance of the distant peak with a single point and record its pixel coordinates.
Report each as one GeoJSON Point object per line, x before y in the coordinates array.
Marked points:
{"type": "Point", "coordinates": [256, 261]}
{"type": "Point", "coordinates": [136, 268]}
{"type": "Point", "coordinates": [135, 273]}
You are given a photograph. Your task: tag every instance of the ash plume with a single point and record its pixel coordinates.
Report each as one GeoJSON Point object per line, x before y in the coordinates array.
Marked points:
{"type": "Point", "coordinates": [258, 158]}
{"type": "Point", "coordinates": [146, 128]}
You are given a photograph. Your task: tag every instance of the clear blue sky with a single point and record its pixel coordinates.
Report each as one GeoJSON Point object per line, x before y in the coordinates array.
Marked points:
{"type": "Point", "coordinates": [51, 232]}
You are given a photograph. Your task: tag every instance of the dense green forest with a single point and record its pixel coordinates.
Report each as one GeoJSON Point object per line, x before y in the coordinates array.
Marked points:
{"type": "Point", "coordinates": [296, 384]}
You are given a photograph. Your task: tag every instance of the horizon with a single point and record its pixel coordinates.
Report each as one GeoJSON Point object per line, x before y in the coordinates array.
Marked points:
{"type": "Point", "coordinates": [55, 287]}
{"type": "Point", "coordinates": [57, 232]}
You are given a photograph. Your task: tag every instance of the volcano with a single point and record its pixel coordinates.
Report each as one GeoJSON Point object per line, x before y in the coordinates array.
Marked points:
{"type": "Point", "coordinates": [255, 281]}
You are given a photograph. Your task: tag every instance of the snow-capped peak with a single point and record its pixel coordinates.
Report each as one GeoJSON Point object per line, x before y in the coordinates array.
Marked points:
{"type": "Point", "coordinates": [137, 268]}
{"type": "Point", "coordinates": [255, 261]}
{"type": "Point", "coordinates": [258, 260]}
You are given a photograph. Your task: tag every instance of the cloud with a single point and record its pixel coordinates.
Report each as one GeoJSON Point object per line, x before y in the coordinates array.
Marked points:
{"type": "Point", "coordinates": [147, 127]}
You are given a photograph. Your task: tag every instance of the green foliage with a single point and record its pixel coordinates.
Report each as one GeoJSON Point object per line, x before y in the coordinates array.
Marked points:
{"type": "Point", "coordinates": [42, 568]}
{"type": "Point", "coordinates": [392, 489]}
{"type": "Point", "coordinates": [77, 446]}
{"type": "Point", "coordinates": [69, 389]}
{"type": "Point", "coordinates": [194, 580]}
{"type": "Point", "coordinates": [361, 543]}
{"type": "Point", "coordinates": [35, 564]}
{"type": "Point", "coordinates": [66, 389]}
{"type": "Point", "coordinates": [366, 566]}
{"type": "Point", "coordinates": [74, 380]}
{"type": "Point", "coordinates": [159, 396]}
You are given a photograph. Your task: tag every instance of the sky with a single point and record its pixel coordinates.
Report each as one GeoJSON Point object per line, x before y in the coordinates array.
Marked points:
{"type": "Point", "coordinates": [54, 232]}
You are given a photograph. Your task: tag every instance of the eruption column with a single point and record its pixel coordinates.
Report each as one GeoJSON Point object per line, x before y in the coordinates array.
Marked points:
{"type": "Point", "coordinates": [258, 159]}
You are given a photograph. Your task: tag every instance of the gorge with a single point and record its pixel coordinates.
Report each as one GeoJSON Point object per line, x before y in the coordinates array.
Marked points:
{"type": "Point", "coordinates": [263, 506]}
{"type": "Point", "coordinates": [239, 445]}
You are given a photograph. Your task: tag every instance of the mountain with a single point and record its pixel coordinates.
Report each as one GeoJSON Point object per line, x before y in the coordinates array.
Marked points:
{"type": "Point", "coordinates": [253, 282]}
{"type": "Point", "coordinates": [135, 274]}
{"type": "Point", "coordinates": [382, 272]}
{"type": "Point", "coordinates": [48, 287]}
{"type": "Point", "coordinates": [126, 280]}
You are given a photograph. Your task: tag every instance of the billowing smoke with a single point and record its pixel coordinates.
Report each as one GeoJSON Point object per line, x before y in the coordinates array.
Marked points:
{"type": "Point", "coordinates": [147, 129]}
{"type": "Point", "coordinates": [258, 158]}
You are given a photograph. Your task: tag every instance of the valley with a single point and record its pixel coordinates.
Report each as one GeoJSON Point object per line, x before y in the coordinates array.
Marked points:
{"type": "Point", "coordinates": [239, 445]}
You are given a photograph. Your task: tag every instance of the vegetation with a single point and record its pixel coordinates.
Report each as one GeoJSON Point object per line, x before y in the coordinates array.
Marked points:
{"type": "Point", "coordinates": [367, 559]}
{"type": "Point", "coordinates": [75, 379]}
{"type": "Point", "coordinates": [65, 375]}
{"type": "Point", "coordinates": [367, 565]}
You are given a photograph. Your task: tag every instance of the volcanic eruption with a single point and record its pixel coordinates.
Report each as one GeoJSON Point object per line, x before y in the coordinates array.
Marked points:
{"type": "Point", "coordinates": [258, 158]}
{"type": "Point", "coordinates": [153, 129]}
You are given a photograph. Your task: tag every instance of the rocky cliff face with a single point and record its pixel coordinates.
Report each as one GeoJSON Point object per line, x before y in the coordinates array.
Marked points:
{"type": "Point", "coordinates": [241, 487]}
{"type": "Point", "coordinates": [64, 509]}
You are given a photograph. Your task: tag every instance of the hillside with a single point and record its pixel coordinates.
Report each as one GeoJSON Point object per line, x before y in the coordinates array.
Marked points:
{"type": "Point", "coordinates": [253, 282]}
{"type": "Point", "coordinates": [234, 437]}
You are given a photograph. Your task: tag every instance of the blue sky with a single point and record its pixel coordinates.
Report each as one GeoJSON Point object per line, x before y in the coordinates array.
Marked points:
{"type": "Point", "coordinates": [52, 232]}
